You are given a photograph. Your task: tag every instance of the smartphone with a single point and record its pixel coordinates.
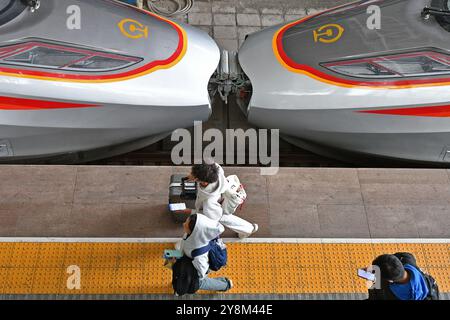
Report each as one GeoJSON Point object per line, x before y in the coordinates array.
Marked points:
{"type": "Point", "coordinates": [168, 254]}
{"type": "Point", "coordinates": [177, 206]}
{"type": "Point", "coordinates": [366, 275]}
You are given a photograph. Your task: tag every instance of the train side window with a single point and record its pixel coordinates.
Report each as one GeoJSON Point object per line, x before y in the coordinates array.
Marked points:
{"type": "Point", "coordinates": [424, 63]}
{"type": "Point", "coordinates": [56, 56]}
{"type": "Point", "coordinates": [41, 56]}
{"type": "Point", "coordinates": [98, 63]}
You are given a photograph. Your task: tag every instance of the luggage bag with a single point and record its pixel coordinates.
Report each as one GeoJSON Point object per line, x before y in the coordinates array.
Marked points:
{"type": "Point", "coordinates": [181, 191]}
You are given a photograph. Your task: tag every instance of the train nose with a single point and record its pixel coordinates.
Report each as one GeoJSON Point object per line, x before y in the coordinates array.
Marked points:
{"type": "Point", "coordinates": [190, 77]}
{"type": "Point", "coordinates": [68, 113]}
{"type": "Point", "coordinates": [256, 58]}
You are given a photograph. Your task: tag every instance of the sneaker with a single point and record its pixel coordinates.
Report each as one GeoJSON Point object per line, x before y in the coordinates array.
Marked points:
{"type": "Point", "coordinates": [230, 284]}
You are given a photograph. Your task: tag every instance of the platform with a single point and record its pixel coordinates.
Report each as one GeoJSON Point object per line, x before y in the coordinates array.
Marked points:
{"type": "Point", "coordinates": [293, 268]}
{"type": "Point", "coordinates": [317, 226]}
{"type": "Point", "coordinates": [84, 201]}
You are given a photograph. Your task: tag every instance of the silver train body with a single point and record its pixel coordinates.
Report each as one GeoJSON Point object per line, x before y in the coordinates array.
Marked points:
{"type": "Point", "coordinates": [84, 79]}
{"type": "Point", "coordinates": [371, 78]}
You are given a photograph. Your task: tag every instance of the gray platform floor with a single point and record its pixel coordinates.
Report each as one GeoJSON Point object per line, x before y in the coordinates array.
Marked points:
{"type": "Point", "coordinates": [88, 201]}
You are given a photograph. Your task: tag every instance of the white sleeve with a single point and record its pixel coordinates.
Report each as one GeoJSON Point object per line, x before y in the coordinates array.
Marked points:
{"type": "Point", "coordinates": [201, 263]}
{"type": "Point", "coordinates": [213, 209]}
{"type": "Point", "coordinates": [198, 203]}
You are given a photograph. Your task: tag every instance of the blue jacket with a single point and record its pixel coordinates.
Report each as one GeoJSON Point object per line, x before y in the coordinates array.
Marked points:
{"type": "Point", "coordinates": [415, 289]}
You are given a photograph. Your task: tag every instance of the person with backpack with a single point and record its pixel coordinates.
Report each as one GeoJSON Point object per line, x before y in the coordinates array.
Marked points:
{"type": "Point", "coordinates": [217, 198]}
{"type": "Point", "coordinates": [196, 245]}
{"type": "Point", "coordinates": [402, 279]}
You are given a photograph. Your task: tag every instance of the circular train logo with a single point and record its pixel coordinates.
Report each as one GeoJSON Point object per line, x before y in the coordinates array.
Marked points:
{"type": "Point", "coordinates": [133, 29]}
{"type": "Point", "coordinates": [329, 33]}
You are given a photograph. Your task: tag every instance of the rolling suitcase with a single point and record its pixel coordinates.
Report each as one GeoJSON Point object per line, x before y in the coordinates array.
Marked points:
{"type": "Point", "coordinates": [181, 191]}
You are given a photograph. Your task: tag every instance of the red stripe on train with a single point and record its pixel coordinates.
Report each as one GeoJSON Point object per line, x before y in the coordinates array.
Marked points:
{"type": "Point", "coordinates": [9, 103]}
{"type": "Point", "coordinates": [433, 111]}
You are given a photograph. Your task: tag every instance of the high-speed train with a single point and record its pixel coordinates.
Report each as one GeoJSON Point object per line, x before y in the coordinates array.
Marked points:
{"type": "Point", "coordinates": [371, 78]}
{"type": "Point", "coordinates": [84, 79]}
{"type": "Point", "coordinates": [87, 79]}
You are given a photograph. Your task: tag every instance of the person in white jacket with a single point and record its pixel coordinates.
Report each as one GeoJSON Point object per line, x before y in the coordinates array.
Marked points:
{"type": "Point", "coordinates": [212, 184]}
{"type": "Point", "coordinates": [199, 231]}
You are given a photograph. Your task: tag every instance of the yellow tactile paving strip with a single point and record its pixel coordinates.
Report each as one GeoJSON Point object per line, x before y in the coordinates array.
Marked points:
{"type": "Point", "coordinates": [137, 268]}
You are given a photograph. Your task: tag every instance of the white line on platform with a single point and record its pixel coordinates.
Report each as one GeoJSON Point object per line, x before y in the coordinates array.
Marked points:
{"type": "Point", "coordinates": [229, 240]}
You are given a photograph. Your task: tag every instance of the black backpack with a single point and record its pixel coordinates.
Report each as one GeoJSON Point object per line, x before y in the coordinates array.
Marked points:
{"type": "Point", "coordinates": [433, 288]}
{"type": "Point", "coordinates": [185, 278]}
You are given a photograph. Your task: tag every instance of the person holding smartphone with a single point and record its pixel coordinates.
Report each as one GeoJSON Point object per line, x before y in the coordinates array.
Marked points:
{"type": "Point", "coordinates": [402, 279]}
{"type": "Point", "coordinates": [199, 231]}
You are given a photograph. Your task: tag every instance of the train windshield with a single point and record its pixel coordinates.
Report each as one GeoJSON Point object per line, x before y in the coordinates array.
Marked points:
{"type": "Point", "coordinates": [10, 9]}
